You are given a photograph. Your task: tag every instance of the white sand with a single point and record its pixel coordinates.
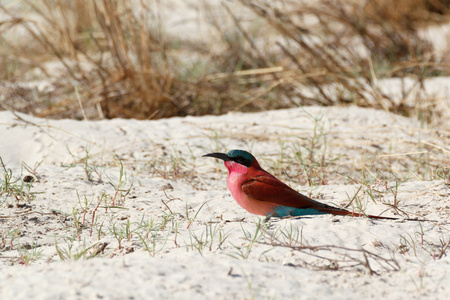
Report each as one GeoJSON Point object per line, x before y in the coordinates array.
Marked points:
{"type": "Point", "coordinates": [162, 162]}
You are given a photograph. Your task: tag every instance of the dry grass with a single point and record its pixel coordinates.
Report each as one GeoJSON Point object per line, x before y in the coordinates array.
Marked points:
{"type": "Point", "coordinates": [116, 58]}
{"type": "Point", "coordinates": [350, 45]}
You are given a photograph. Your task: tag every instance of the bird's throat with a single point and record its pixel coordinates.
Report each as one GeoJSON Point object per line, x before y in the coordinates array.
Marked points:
{"type": "Point", "coordinates": [236, 177]}
{"type": "Point", "coordinates": [235, 168]}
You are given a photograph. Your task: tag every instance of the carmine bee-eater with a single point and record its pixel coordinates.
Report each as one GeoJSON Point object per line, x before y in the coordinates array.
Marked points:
{"type": "Point", "coordinates": [261, 193]}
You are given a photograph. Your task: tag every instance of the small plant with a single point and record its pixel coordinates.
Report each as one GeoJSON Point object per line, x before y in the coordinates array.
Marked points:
{"type": "Point", "coordinates": [119, 233]}
{"type": "Point", "coordinates": [8, 238]}
{"type": "Point", "coordinates": [292, 235]}
{"type": "Point", "coordinates": [191, 219]}
{"type": "Point", "coordinates": [198, 241]}
{"type": "Point", "coordinates": [444, 247]}
{"type": "Point", "coordinates": [67, 251]}
{"type": "Point", "coordinates": [14, 188]}
{"type": "Point", "coordinates": [252, 238]}
{"type": "Point", "coordinates": [444, 174]}
{"type": "Point", "coordinates": [85, 162]}
{"type": "Point", "coordinates": [211, 238]}
{"type": "Point", "coordinates": [407, 243]}
{"type": "Point", "coordinates": [306, 159]}
{"type": "Point", "coordinates": [153, 248]}
{"type": "Point", "coordinates": [94, 218]}
{"type": "Point", "coordinates": [29, 253]}
{"type": "Point", "coordinates": [33, 170]}
{"type": "Point", "coordinates": [120, 188]}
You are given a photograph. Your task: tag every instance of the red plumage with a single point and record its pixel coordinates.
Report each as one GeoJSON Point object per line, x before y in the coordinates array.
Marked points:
{"type": "Point", "coordinates": [259, 192]}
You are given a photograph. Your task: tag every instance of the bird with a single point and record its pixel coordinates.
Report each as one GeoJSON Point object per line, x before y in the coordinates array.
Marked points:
{"type": "Point", "coordinates": [261, 193]}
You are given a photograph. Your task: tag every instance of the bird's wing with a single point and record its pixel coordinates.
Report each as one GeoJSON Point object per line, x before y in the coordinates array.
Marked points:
{"type": "Point", "coordinates": [270, 189]}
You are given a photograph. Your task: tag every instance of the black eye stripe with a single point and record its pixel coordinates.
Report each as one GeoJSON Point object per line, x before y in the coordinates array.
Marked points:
{"type": "Point", "coordinates": [243, 161]}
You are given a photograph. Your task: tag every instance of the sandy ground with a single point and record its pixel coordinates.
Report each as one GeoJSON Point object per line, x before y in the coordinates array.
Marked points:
{"type": "Point", "coordinates": [168, 227]}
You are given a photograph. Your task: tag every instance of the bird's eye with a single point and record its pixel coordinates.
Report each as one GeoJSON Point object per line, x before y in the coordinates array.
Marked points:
{"type": "Point", "coordinates": [242, 161]}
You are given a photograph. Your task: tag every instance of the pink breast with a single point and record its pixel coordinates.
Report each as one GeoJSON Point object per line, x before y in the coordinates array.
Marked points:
{"type": "Point", "coordinates": [236, 177]}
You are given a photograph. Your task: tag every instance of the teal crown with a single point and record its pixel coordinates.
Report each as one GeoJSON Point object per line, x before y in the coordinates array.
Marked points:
{"type": "Point", "coordinates": [240, 156]}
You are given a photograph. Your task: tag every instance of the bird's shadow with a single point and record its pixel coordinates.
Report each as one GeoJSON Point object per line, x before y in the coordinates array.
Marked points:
{"type": "Point", "coordinates": [277, 219]}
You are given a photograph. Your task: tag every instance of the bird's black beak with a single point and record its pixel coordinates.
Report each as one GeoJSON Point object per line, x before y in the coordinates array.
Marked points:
{"type": "Point", "coordinates": [221, 156]}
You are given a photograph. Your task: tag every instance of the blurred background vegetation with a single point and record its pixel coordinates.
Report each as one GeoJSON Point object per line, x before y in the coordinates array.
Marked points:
{"type": "Point", "coordinates": [150, 59]}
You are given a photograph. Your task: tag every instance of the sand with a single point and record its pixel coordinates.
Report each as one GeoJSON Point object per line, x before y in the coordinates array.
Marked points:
{"type": "Point", "coordinates": [168, 228]}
